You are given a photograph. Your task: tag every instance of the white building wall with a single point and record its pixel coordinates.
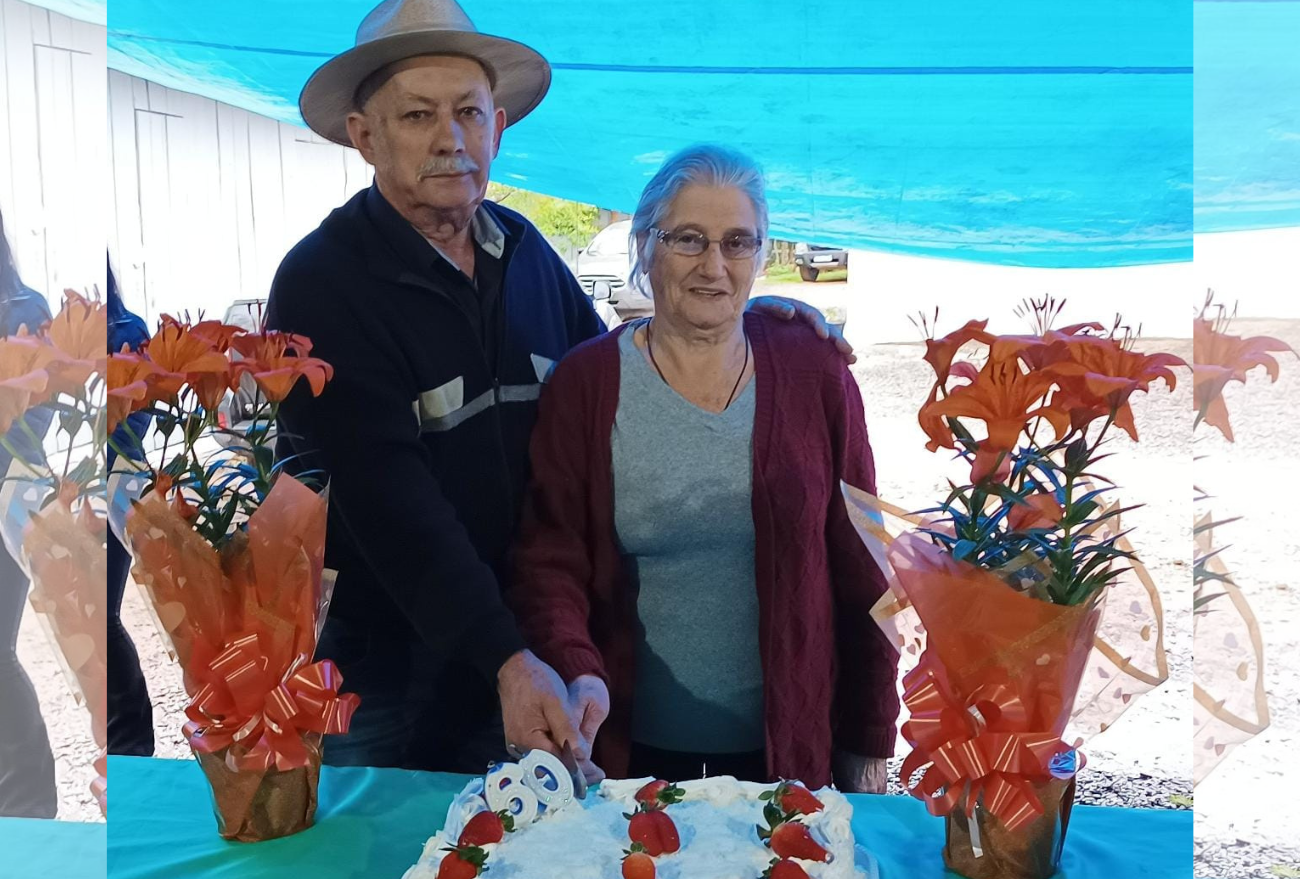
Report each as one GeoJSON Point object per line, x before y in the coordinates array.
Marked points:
{"type": "Point", "coordinates": [53, 158]}
{"type": "Point", "coordinates": [208, 198]}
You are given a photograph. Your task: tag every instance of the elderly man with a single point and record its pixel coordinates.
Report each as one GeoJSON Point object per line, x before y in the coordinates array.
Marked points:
{"type": "Point", "coordinates": [442, 314]}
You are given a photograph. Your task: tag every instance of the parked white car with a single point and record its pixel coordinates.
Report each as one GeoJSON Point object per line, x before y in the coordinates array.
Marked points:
{"type": "Point", "coordinates": [235, 412]}
{"type": "Point", "coordinates": [603, 268]}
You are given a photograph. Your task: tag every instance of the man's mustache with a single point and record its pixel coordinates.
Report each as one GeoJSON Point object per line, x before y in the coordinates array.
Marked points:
{"type": "Point", "coordinates": [445, 166]}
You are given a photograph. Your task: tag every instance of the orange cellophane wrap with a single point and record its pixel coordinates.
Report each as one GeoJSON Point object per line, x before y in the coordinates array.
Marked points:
{"type": "Point", "coordinates": [243, 624]}
{"type": "Point", "coordinates": [1230, 705]}
{"type": "Point", "coordinates": [67, 556]}
{"type": "Point", "coordinates": [998, 683]}
{"type": "Point", "coordinates": [992, 693]}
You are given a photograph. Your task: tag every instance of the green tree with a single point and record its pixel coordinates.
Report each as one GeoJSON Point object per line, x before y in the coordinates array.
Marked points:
{"type": "Point", "coordinates": [556, 218]}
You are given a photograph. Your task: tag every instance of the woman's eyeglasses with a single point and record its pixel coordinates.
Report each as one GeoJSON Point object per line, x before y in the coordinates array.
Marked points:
{"type": "Point", "coordinates": [688, 243]}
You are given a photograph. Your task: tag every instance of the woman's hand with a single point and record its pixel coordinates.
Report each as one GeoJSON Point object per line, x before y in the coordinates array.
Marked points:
{"type": "Point", "coordinates": [791, 309]}
{"type": "Point", "coordinates": [589, 703]}
{"type": "Point", "coordinates": [859, 775]}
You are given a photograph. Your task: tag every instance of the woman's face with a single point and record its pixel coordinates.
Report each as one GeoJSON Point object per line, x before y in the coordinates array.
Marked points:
{"type": "Point", "coordinates": [707, 291]}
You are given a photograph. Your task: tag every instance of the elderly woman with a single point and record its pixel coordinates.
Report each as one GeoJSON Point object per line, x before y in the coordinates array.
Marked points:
{"type": "Point", "coordinates": [686, 562]}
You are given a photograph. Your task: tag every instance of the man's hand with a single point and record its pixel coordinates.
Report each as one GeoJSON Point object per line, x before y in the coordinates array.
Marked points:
{"type": "Point", "coordinates": [589, 702]}
{"type": "Point", "coordinates": [790, 309]}
{"type": "Point", "coordinates": [859, 775]}
{"type": "Point", "coordinates": [535, 707]}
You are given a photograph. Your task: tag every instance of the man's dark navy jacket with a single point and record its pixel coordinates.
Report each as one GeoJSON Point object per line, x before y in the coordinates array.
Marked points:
{"type": "Point", "coordinates": [423, 434]}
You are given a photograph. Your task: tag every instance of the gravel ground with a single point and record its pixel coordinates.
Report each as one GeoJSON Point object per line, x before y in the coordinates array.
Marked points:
{"type": "Point", "coordinates": [1245, 824]}
{"type": "Point", "coordinates": [67, 723]}
{"type": "Point", "coordinates": [1244, 860]}
{"type": "Point", "coordinates": [1102, 788]}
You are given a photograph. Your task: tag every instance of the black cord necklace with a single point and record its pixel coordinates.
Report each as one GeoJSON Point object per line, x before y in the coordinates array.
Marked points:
{"type": "Point", "coordinates": [651, 351]}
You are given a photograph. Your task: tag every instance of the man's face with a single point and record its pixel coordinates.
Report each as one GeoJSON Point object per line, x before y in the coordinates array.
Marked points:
{"type": "Point", "coordinates": [431, 131]}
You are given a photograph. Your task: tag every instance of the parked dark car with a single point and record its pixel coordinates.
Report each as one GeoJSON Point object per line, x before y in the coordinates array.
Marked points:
{"type": "Point", "coordinates": [813, 259]}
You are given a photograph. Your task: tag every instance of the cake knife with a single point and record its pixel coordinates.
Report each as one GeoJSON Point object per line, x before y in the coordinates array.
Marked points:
{"type": "Point", "coordinates": [571, 763]}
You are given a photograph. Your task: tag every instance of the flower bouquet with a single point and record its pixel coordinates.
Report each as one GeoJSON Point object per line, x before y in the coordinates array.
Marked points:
{"type": "Point", "coordinates": [1230, 705]}
{"type": "Point", "coordinates": [1018, 597]}
{"type": "Point", "coordinates": [52, 513]}
{"type": "Point", "coordinates": [229, 551]}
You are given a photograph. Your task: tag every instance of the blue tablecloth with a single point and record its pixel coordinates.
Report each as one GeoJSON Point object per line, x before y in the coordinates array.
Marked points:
{"type": "Point", "coordinates": [36, 849]}
{"type": "Point", "coordinates": [373, 823]}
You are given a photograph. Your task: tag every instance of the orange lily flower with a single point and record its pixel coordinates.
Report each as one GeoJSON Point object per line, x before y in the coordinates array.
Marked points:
{"type": "Point", "coordinates": [210, 387]}
{"type": "Point", "coordinates": [1039, 352]}
{"type": "Point", "coordinates": [1003, 397]}
{"type": "Point", "coordinates": [77, 335]}
{"type": "Point", "coordinates": [182, 507]}
{"type": "Point", "coordinates": [127, 388]}
{"type": "Point", "coordinates": [1039, 511]}
{"type": "Point", "coordinates": [1072, 408]}
{"type": "Point", "coordinates": [23, 379]}
{"type": "Point", "coordinates": [1036, 353]}
{"type": "Point", "coordinates": [940, 352]}
{"type": "Point", "coordinates": [935, 425]}
{"type": "Point", "coordinates": [249, 344]}
{"type": "Point", "coordinates": [217, 334]}
{"type": "Point", "coordinates": [1100, 376]}
{"type": "Point", "coordinates": [162, 484]}
{"type": "Point", "coordinates": [276, 371]}
{"type": "Point", "coordinates": [1219, 358]}
{"type": "Point", "coordinates": [183, 358]}
{"type": "Point", "coordinates": [67, 492]}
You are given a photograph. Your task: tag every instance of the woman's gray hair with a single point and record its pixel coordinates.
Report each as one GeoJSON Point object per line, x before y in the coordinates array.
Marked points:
{"type": "Point", "coordinates": [703, 165]}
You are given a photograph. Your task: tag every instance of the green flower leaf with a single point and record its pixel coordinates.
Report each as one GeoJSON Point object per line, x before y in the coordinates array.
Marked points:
{"type": "Point", "coordinates": [963, 548]}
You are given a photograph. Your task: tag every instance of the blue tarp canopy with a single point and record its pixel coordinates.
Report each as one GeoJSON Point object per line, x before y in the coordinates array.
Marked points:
{"type": "Point", "coordinates": [1247, 115]}
{"type": "Point", "coordinates": [1017, 133]}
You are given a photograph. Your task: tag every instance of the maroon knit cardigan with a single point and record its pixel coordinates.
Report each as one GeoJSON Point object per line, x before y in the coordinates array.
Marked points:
{"type": "Point", "coordinates": [829, 673]}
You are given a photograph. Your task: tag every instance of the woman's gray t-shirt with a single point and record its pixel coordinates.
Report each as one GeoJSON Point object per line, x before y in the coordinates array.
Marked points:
{"type": "Point", "coordinates": [682, 481]}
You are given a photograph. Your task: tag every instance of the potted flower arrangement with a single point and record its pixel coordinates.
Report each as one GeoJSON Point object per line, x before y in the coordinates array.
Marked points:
{"type": "Point", "coordinates": [229, 550]}
{"type": "Point", "coordinates": [1000, 593]}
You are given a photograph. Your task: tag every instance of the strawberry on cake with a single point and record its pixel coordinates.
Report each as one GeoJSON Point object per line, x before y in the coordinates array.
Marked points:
{"type": "Point", "coordinates": [715, 828]}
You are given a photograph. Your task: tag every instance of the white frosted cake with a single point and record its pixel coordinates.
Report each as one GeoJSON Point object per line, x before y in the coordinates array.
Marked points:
{"type": "Point", "coordinates": [719, 824]}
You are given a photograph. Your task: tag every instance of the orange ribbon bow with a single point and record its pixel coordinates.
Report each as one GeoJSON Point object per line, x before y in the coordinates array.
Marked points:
{"type": "Point", "coordinates": [242, 703]}
{"type": "Point", "coordinates": [977, 749]}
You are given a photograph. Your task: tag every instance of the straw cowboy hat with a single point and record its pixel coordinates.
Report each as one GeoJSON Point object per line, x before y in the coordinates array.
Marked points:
{"type": "Point", "coordinates": [398, 29]}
